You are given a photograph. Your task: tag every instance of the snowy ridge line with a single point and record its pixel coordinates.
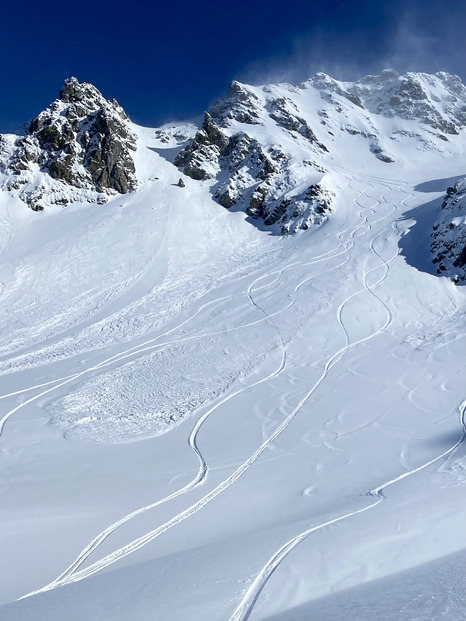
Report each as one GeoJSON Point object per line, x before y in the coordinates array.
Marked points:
{"type": "Point", "coordinates": [192, 439]}
{"type": "Point", "coordinates": [197, 506]}
{"type": "Point", "coordinates": [246, 606]}
{"type": "Point", "coordinates": [143, 347]}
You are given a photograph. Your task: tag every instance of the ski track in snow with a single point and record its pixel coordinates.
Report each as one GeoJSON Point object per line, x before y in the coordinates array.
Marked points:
{"type": "Point", "coordinates": [192, 440]}
{"type": "Point", "coordinates": [250, 597]}
{"type": "Point", "coordinates": [249, 600]}
{"type": "Point", "coordinates": [146, 347]}
{"type": "Point", "coordinates": [71, 574]}
{"type": "Point", "coordinates": [246, 606]}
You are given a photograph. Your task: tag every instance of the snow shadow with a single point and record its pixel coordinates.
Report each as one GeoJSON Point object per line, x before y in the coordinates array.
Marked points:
{"type": "Point", "coordinates": [168, 154]}
{"type": "Point", "coordinates": [415, 244]}
{"type": "Point", "coordinates": [431, 591]}
{"type": "Point", "coordinates": [447, 439]}
{"type": "Point", "coordinates": [437, 185]}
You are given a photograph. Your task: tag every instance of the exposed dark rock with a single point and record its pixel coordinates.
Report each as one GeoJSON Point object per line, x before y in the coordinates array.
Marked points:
{"type": "Point", "coordinates": [204, 150]}
{"type": "Point", "coordinates": [257, 204]}
{"type": "Point", "coordinates": [226, 198]}
{"type": "Point", "coordinates": [448, 244]}
{"type": "Point", "coordinates": [283, 112]}
{"type": "Point", "coordinates": [240, 104]}
{"type": "Point", "coordinates": [214, 133]}
{"type": "Point", "coordinates": [81, 140]}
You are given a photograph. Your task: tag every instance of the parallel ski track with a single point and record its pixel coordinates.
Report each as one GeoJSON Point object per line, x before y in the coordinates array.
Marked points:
{"type": "Point", "coordinates": [149, 345]}
{"type": "Point", "coordinates": [71, 575]}
{"type": "Point", "coordinates": [192, 442]}
{"type": "Point", "coordinates": [249, 600]}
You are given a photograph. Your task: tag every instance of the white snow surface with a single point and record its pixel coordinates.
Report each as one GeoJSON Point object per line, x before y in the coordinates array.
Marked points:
{"type": "Point", "coordinates": [203, 421]}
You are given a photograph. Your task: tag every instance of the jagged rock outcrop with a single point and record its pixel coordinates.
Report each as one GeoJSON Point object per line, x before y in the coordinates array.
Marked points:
{"type": "Point", "coordinates": [250, 175]}
{"type": "Point", "coordinates": [79, 148]}
{"type": "Point", "coordinates": [438, 100]}
{"type": "Point", "coordinates": [240, 104]}
{"type": "Point", "coordinates": [264, 149]}
{"type": "Point", "coordinates": [448, 245]}
{"type": "Point", "coordinates": [200, 159]}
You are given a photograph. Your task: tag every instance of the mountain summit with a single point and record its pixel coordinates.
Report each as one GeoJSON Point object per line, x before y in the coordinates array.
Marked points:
{"type": "Point", "coordinates": [231, 356]}
{"type": "Point", "coordinates": [263, 150]}
{"type": "Point", "coordinates": [78, 149]}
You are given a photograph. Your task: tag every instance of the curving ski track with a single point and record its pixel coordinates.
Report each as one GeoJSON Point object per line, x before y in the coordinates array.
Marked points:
{"type": "Point", "coordinates": [246, 606]}
{"type": "Point", "coordinates": [249, 600]}
{"type": "Point", "coordinates": [192, 440]}
{"type": "Point", "coordinates": [71, 575]}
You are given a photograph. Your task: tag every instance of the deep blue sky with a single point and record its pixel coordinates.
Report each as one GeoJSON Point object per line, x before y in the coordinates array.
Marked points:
{"type": "Point", "coordinates": [167, 61]}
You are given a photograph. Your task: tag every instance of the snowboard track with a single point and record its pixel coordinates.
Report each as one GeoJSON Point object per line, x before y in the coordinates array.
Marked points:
{"type": "Point", "coordinates": [192, 440]}
{"type": "Point", "coordinates": [71, 574]}
{"type": "Point", "coordinates": [250, 597]}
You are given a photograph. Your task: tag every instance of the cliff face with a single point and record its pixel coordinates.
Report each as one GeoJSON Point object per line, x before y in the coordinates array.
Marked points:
{"type": "Point", "coordinates": [79, 148]}
{"type": "Point", "coordinates": [265, 150]}
{"type": "Point", "coordinates": [448, 245]}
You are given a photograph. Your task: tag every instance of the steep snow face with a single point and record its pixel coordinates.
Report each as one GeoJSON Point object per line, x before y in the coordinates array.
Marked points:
{"type": "Point", "coordinates": [266, 149]}
{"type": "Point", "coordinates": [437, 100]}
{"type": "Point", "coordinates": [78, 149]}
{"type": "Point", "coordinates": [202, 421]}
{"type": "Point", "coordinates": [449, 235]}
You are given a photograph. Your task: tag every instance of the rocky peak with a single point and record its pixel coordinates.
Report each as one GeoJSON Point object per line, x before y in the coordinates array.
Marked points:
{"type": "Point", "coordinates": [437, 100]}
{"type": "Point", "coordinates": [73, 91]}
{"type": "Point", "coordinates": [80, 142]}
{"type": "Point", "coordinates": [259, 143]}
{"type": "Point", "coordinates": [329, 87]}
{"type": "Point", "coordinates": [240, 104]}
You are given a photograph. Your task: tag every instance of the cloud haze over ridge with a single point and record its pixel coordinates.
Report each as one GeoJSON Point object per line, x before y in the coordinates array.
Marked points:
{"type": "Point", "coordinates": [169, 62]}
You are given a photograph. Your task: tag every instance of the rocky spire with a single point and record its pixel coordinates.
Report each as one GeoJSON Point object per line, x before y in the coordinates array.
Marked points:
{"type": "Point", "coordinates": [81, 140]}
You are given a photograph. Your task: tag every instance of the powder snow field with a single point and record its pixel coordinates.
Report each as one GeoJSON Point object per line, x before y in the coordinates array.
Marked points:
{"type": "Point", "coordinates": [203, 421]}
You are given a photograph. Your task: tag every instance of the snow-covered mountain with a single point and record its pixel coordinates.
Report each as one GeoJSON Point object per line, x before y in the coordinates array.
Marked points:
{"type": "Point", "coordinates": [239, 397]}
{"type": "Point", "coordinates": [267, 147]}
{"type": "Point", "coordinates": [78, 149]}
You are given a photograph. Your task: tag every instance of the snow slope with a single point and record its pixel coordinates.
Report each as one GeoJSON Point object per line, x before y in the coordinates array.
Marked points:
{"type": "Point", "coordinates": [202, 419]}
